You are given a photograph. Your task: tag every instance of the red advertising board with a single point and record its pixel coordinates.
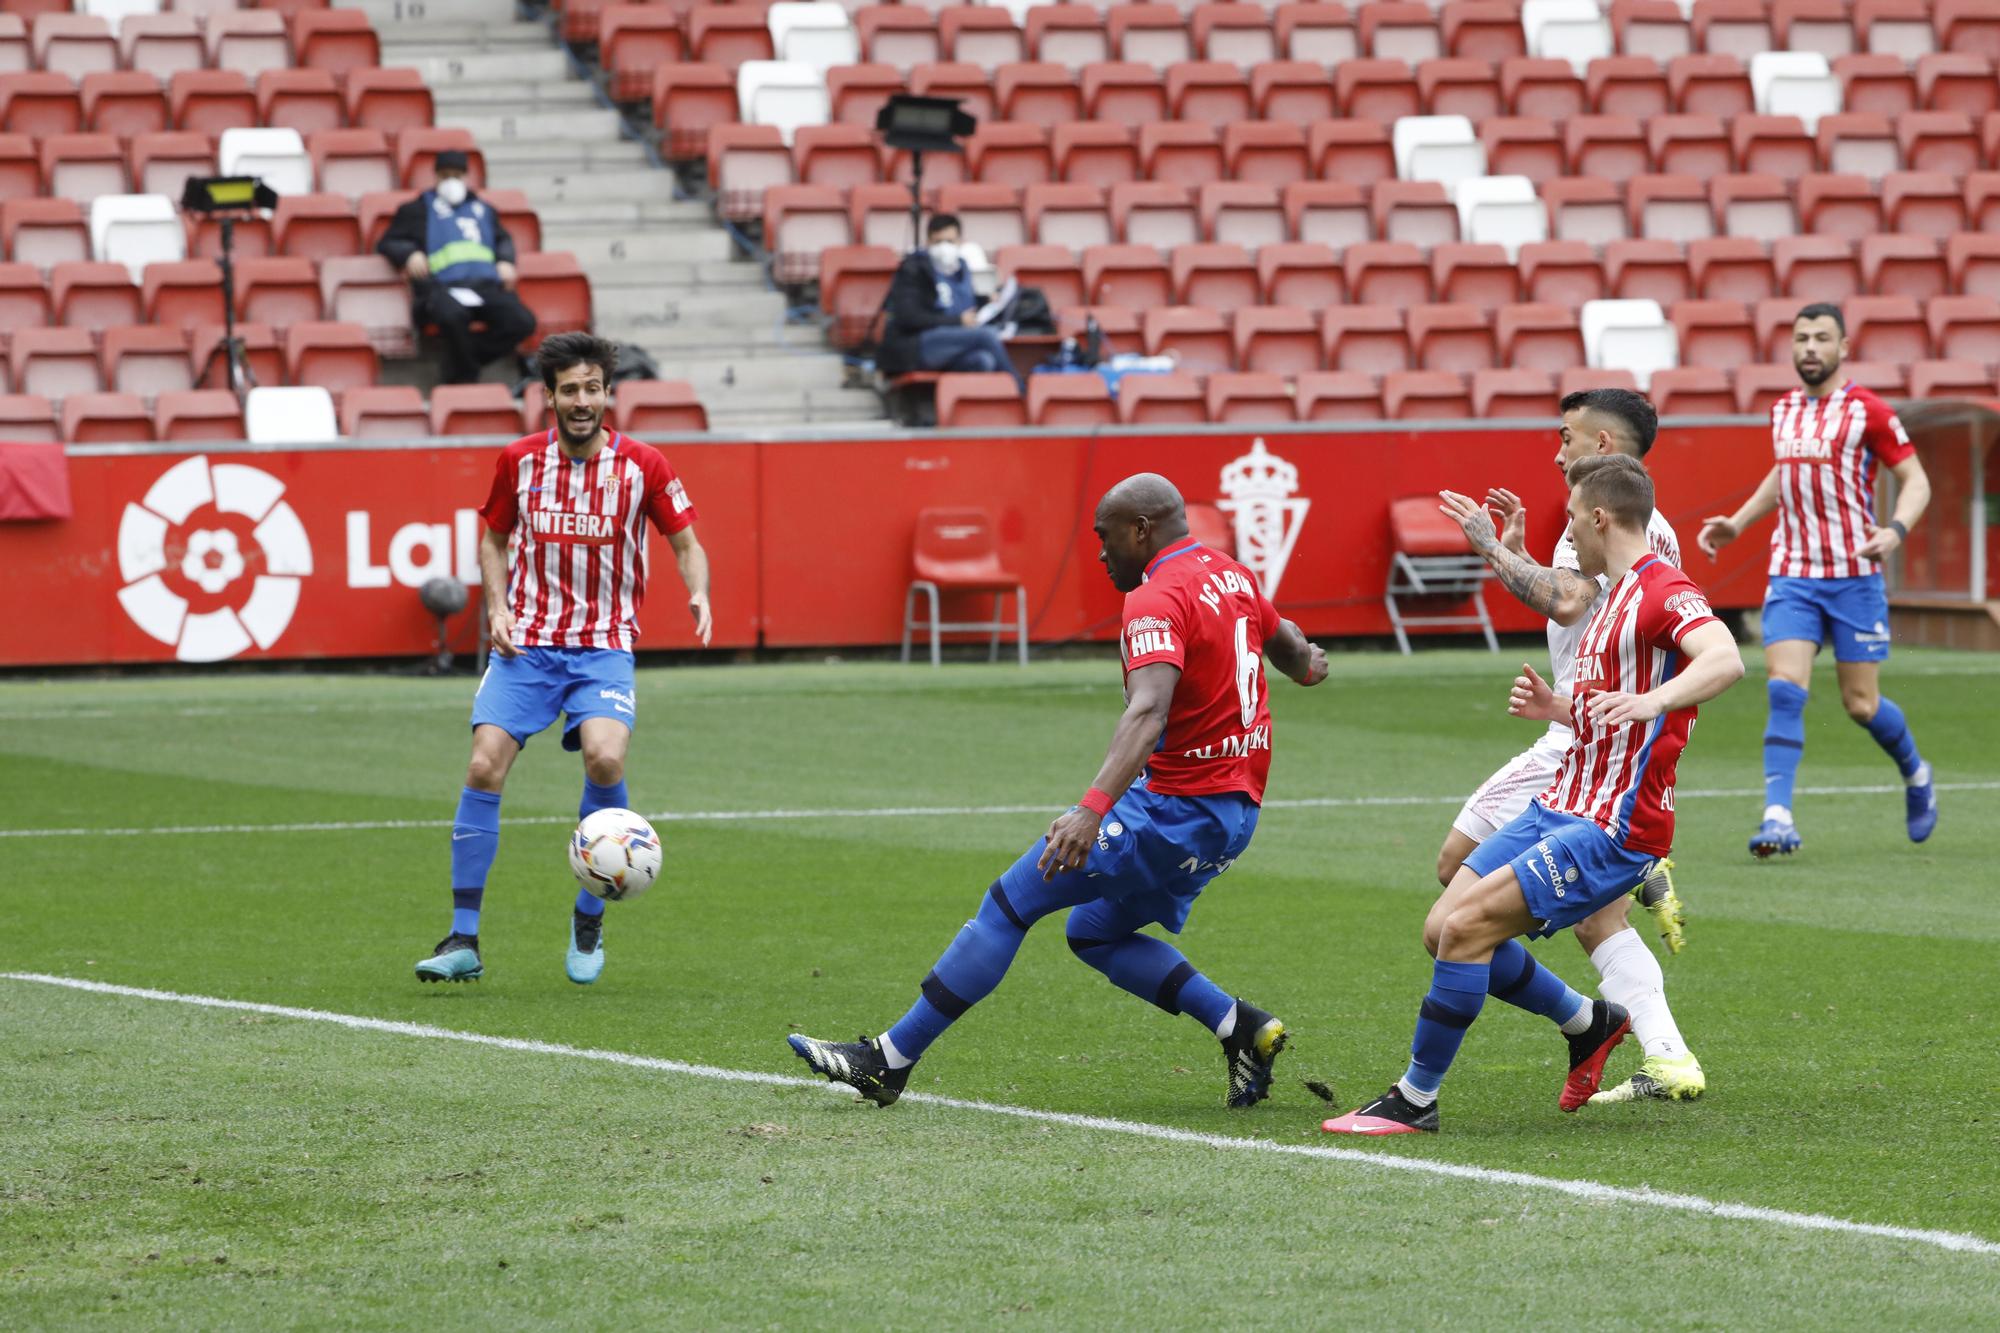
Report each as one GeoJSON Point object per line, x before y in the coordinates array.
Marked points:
{"type": "Point", "coordinates": [239, 553]}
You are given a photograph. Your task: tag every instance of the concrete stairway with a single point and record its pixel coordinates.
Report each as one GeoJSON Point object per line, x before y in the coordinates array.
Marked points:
{"type": "Point", "coordinates": [663, 272]}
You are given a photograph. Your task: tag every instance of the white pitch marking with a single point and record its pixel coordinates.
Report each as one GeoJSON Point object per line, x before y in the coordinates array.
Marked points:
{"type": "Point", "coordinates": [1579, 1189]}
{"type": "Point", "coordinates": [881, 812]}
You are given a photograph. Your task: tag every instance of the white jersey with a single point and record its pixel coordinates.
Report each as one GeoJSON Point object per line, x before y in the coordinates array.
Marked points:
{"type": "Point", "coordinates": [1563, 639]}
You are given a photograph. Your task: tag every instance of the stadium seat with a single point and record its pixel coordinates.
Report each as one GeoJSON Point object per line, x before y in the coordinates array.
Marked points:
{"type": "Point", "coordinates": [394, 100]}
{"type": "Point", "coordinates": [1740, 28]}
{"type": "Point", "coordinates": [1209, 92]}
{"type": "Point", "coordinates": [84, 166]}
{"type": "Point", "coordinates": [1338, 395]}
{"type": "Point", "coordinates": [20, 165]}
{"type": "Point", "coordinates": [979, 35]}
{"type": "Point", "coordinates": [162, 163]}
{"type": "Point", "coordinates": [94, 296]}
{"type": "Point", "coordinates": [991, 213]}
{"type": "Point", "coordinates": [1076, 401]}
{"type": "Point", "coordinates": [1878, 85]}
{"type": "Point", "coordinates": [1964, 328]}
{"type": "Point", "coordinates": [1322, 34]}
{"type": "Point", "coordinates": [1772, 321]}
{"type": "Point", "coordinates": [744, 161]}
{"type": "Point", "coordinates": [1399, 30]}
{"type": "Point", "coordinates": [161, 44]}
{"type": "Point", "coordinates": [1513, 393]}
{"type": "Point", "coordinates": [1904, 266]}
{"type": "Point", "coordinates": [1387, 273]}
{"type": "Point", "coordinates": [1300, 273]}
{"type": "Point", "coordinates": [688, 99]}
{"type": "Point", "coordinates": [1381, 91]}
{"type": "Point", "coordinates": [1068, 215]}
{"type": "Point", "coordinates": [1951, 379]}
{"type": "Point", "coordinates": [1813, 25]}
{"type": "Point", "coordinates": [1466, 273]}
{"type": "Point", "coordinates": [799, 222]}
{"type": "Point", "coordinates": [968, 83]}
{"type": "Point", "coordinates": [1276, 340]}
{"type": "Point", "coordinates": [1968, 25]}
{"type": "Point", "coordinates": [1535, 89]}
{"type": "Point", "coordinates": [853, 282]}
{"type": "Point", "coordinates": [1350, 152]}
{"type": "Point", "coordinates": [1053, 269]}
{"type": "Point", "coordinates": [182, 295]}
{"type": "Point", "coordinates": [1198, 339]}
{"type": "Point", "coordinates": [1437, 148]}
{"type": "Point", "coordinates": [1527, 146]}
{"type": "Point", "coordinates": [40, 104]}
{"type": "Point", "coordinates": [1217, 277]}
{"type": "Point", "coordinates": [278, 414]}
{"type": "Point", "coordinates": [1957, 81]}
{"type": "Point", "coordinates": [981, 401]}
{"type": "Point", "coordinates": [1687, 391]}
{"type": "Point", "coordinates": [262, 355]}
{"type": "Point", "coordinates": [277, 291]}
{"type": "Point", "coordinates": [1669, 208]}
{"type": "Point", "coordinates": [842, 156]}
{"type": "Point", "coordinates": [334, 356]}
{"type": "Point", "coordinates": [1648, 270]}
{"type": "Point", "coordinates": [43, 232]}
{"type": "Point", "coordinates": [1795, 83]}
{"type": "Point", "coordinates": [659, 407]}
{"type": "Point", "coordinates": [146, 360]}
{"type": "Point", "coordinates": [1229, 32]}
{"type": "Point", "coordinates": [1265, 153]}
{"type": "Point", "coordinates": [1582, 379]}
{"type": "Point", "coordinates": [1655, 28]}
{"type": "Point", "coordinates": [1455, 338]}
{"type": "Point", "coordinates": [1072, 36]}
{"type": "Point", "coordinates": [1561, 273]}
{"type": "Point", "coordinates": [1451, 87]}
{"type": "Point", "coordinates": [1500, 210]}
{"type": "Point", "coordinates": [1608, 148]}
{"type": "Point", "coordinates": [1943, 141]}
{"type": "Point", "coordinates": [855, 93]}
{"type": "Point", "coordinates": [1715, 334]}
{"type": "Point", "coordinates": [316, 226]}
{"type": "Point", "coordinates": [1161, 400]}
{"type": "Point", "coordinates": [1148, 34]}
{"type": "Point", "coordinates": [106, 418]}
{"type": "Point", "coordinates": [1974, 261]}
{"type": "Point", "coordinates": [1887, 328]}
{"type": "Point", "coordinates": [1887, 378]}
{"type": "Point", "coordinates": [814, 33]}
{"type": "Point", "coordinates": [364, 290]}
{"type": "Point", "coordinates": [1011, 154]}
{"type": "Point", "coordinates": [1626, 86]}
{"type": "Point", "coordinates": [1123, 93]}
{"type": "Point", "coordinates": [474, 409]}
{"type": "Point", "coordinates": [53, 363]}
{"type": "Point", "coordinates": [73, 45]}
{"type": "Point", "coordinates": [199, 415]}
{"type": "Point", "coordinates": [1539, 336]}
{"type": "Point", "coordinates": [1731, 268]}
{"type": "Point", "coordinates": [1425, 395]}
{"type": "Point", "coordinates": [277, 155]}
{"type": "Point", "coordinates": [1862, 144]}
{"type": "Point", "coordinates": [1482, 30]}
{"type": "Point", "coordinates": [24, 297]}
{"type": "Point", "coordinates": [1628, 334]}
{"type": "Point", "coordinates": [1326, 212]}
{"type": "Point", "coordinates": [784, 93]}
{"type": "Point", "coordinates": [248, 41]}
{"type": "Point", "coordinates": [300, 99]}
{"type": "Point", "coordinates": [553, 285]}
{"type": "Point", "coordinates": [1245, 213]}
{"type": "Point", "coordinates": [384, 412]}
{"type": "Point", "coordinates": [1924, 203]}
{"type": "Point", "coordinates": [1982, 201]}
{"type": "Point", "coordinates": [1160, 214]}
{"type": "Point", "coordinates": [136, 230]}
{"type": "Point", "coordinates": [124, 103]}
{"type": "Point", "coordinates": [1715, 85]}
{"type": "Point", "coordinates": [1572, 30]}
{"type": "Point", "coordinates": [1689, 145]}
{"type": "Point", "coordinates": [899, 36]}
{"type": "Point", "coordinates": [1367, 338]}
{"type": "Point", "coordinates": [1415, 212]}
{"type": "Point", "coordinates": [1585, 209]}
{"type": "Point", "coordinates": [1117, 327]}
{"type": "Point", "coordinates": [1096, 153]}
{"type": "Point", "coordinates": [1042, 94]}
{"type": "Point", "coordinates": [1184, 153]}
{"type": "Point", "coordinates": [1846, 207]}
{"type": "Point", "coordinates": [1248, 398]}
{"type": "Point", "coordinates": [1773, 145]}
{"type": "Point", "coordinates": [210, 101]}
{"type": "Point", "coordinates": [336, 40]}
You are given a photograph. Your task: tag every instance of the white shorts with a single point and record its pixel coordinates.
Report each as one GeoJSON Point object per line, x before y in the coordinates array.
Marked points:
{"type": "Point", "coordinates": [1502, 798]}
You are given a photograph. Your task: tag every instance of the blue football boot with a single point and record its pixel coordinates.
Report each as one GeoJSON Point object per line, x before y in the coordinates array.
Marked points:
{"type": "Point", "coordinates": [1777, 837]}
{"type": "Point", "coordinates": [456, 958]}
{"type": "Point", "coordinates": [586, 948]}
{"type": "Point", "coordinates": [1920, 804]}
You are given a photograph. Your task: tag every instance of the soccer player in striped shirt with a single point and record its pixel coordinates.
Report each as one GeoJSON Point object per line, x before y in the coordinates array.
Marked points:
{"type": "Point", "coordinates": [1651, 652]}
{"type": "Point", "coordinates": [1829, 435]}
{"type": "Point", "coordinates": [564, 562]}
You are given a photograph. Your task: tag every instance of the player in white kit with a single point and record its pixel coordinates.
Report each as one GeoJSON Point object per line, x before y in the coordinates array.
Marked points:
{"type": "Point", "coordinates": [1595, 421]}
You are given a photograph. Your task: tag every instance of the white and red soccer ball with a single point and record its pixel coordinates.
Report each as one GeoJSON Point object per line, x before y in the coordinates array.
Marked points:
{"type": "Point", "coordinates": [615, 854]}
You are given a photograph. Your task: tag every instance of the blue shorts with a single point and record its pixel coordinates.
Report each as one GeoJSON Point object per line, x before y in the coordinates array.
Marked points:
{"type": "Point", "coordinates": [521, 695]}
{"type": "Point", "coordinates": [1568, 867]}
{"type": "Point", "coordinates": [1855, 611]}
{"type": "Point", "coordinates": [1154, 856]}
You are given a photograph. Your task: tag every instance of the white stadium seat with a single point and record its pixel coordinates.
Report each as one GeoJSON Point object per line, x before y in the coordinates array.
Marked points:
{"type": "Point", "coordinates": [115, 10]}
{"type": "Point", "coordinates": [1438, 148]}
{"type": "Point", "coordinates": [1795, 83]}
{"type": "Point", "coordinates": [1500, 210]}
{"type": "Point", "coordinates": [279, 156]}
{"type": "Point", "coordinates": [1629, 335]}
{"type": "Point", "coordinates": [136, 230]}
{"type": "Point", "coordinates": [813, 32]}
{"type": "Point", "coordinates": [288, 415]}
{"type": "Point", "coordinates": [784, 93]}
{"type": "Point", "coordinates": [1572, 30]}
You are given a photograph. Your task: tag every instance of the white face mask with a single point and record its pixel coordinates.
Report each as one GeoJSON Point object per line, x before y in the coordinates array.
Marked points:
{"type": "Point", "coordinates": [945, 257]}
{"type": "Point", "coordinates": [452, 190]}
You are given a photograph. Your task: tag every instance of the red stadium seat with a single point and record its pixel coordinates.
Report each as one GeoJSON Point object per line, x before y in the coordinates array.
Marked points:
{"type": "Point", "coordinates": [1051, 268]}
{"type": "Point", "coordinates": [84, 166]}
{"type": "Point", "coordinates": [1073, 216]}
{"type": "Point", "coordinates": [1710, 84]}
{"type": "Point", "coordinates": [1399, 30]}
{"type": "Point", "coordinates": [1132, 276]}
{"type": "Point", "coordinates": [659, 407]}
{"type": "Point", "coordinates": [278, 291]}
{"type": "Point", "coordinates": [1880, 85]}
{"type": "Point", "coordinates": [688, 99]}
{"type": "Point", "coordinates": [248, 41]}
{"type": "Point", "coordinates": [1198, 339]}
{"type": "Point", "coordinates": [1714, 333]}
{"type": "Point", "coordinates": [1689, 145]}
{"type": "Point", "coordinates": [43, 232]}
{"type": "Point", "coordinates": [106, 418]}
{"type": "Point", "coordinates": [1887, 378]}
{"type": "Point", "coordinates": [394, 100]}
{"type": "Point", "coordinates": [336, 40]}
{"type": "Point", "coordinates": [73, 45]}
{"type": "Point", "coordinates": [1388, 273]}
{"type": "Point", "coordinates": [1861, 143]}
{"type": "Point", "coordinates": [1951, 379]}
{"type": "Point", "coordinates": [1301, 273]}
{"type": "Point", "coordinates": [1689, 391]}
{"type": "Point", "coordinates": [1740, 28]}
{"type": "Point", "coordinates": [209, 101]}
{"type": "Point", "coordinates": [1958, 81]}
{"type": "Point", "coordinates": [162, 163]}
{"type": "Point", "coordinates": [1816, 268]}
{"type": "Point", "coordinates": [1296, 91]}
{"type": "Point", "coordinates": [991, 213]}
{"type": "Point", "coordinates": [1183, 152]}
{"type": "Point", "coordinates": [182, 295]}
{"type": "Point", "coordinates": [555, 287]}
{"type": "Point", "coordinates": [53, 363]}
{"type": "Point", "coordinates": [856, 93]}
{"type": "Point", "coordinates": [1758, 388]}
{"type": "Point", "coordinates": [384, 412]}
{"type": "Point", "coordinates": [24, 297]}
{"type": "Point", "coordinates": [1069, 35]}
{"type": "Point", "coordinates": [1148, 34]}
{"type": "Point", "coordinates": [1369, 338]}
{"type": "Point", "coordinates": [1265, 153]}
{"type": "Point", "coordinates": [1010, 154]}
{"type": "Point", "coordinates": [1077, 401]}
{"type": "Point", "coordinates": [1585, 209]}
{"type": "Point", "coordinates": [1338, 395]}
{"type": "Point", "coordinates": [40, 104]}
{"type": "Point", "coordinates": [1326, 212]}
{"type": "Point", "coordinates": [1974, 261]}
{"type": "Point", "coordinates": [1523, 146]}
{"type": "Point", "coordinates": [1982, 201]}
{"type": "Point", "coordinates": [1964, 328]}
{"type": "Point", "coordinates": [1450, 87]}
{"type": "Point", "coordinates": [261, 355]}
{"type": "Point", "coordinates": [1242, 213]}
{"type": "Point", "coordinates": [1488, 30]}
{"type": "Point", "coordinates": [145, 360]}
{"type": "Point", "coordinates": [331, 355]}
{"type": "Point", "coordinates": [1581, 379]}
{"type": "Point", "coordinates": [744, 161]}
{"type": "Point", "coordinates": [1161, 400]}
{"type": "Point", "coordinates": [1627, 86]}
{"type": "Point", "coordinates": [1538, 89]}
{"type": "Point", "coordinates": [1116, 326]}
{"type": "Point", "coordinates": [1504, 394]}
{"type": "Point", "coordinates": [1218, 277]}
{"type": "Point", "coordinates": [1610, 148]}
{"type": "Point", "coordinates": [1923, 203]}
{"type": "Point", "coordinates": [853, 281]}
{"type": "Point", "coordinates": [632, 41]}
{"type": "Point", "coordinates": [124, 103]}
{"type": "Point", "coordinates": [1097, 153]}
{"type": "Point", "coordinates": [842, 156]}
{"type": "Point", "coordinates": [416, 157]}
{"type": "Point", "coordinates": [985, 37]}
{"type": "Point", "coordinates": [1376, 90]}
{"type": "Point", "coordinates": [1539, 337]}
{"type": "Point", "coordinates": [1904, 266]}
{"type": "Point", "coordinates": [162, 44]}
{"type": "Point", "coordinates": [1418, 212]}
{"type": "Point", "coordinates": [1320, 33]}
{"type": "Point", "coordinates": [1944, 141]}
{"type": "Point", "coordinates": [202, 414]}
{"type": "Point", "coordinates": [474, 409]}
{"type": "Point", "coordinates": [1251, 399]}
{"type": "Point", "coordinates": [1041, 94]}
{"type": "Point", "coordinates": [1243, 37]}
{"type": "Point", "coordinates": [1123, 93]}
{"type": "Point", "coordinates": [1476, 275]}
{"type": "Point", "coordinates": [1561, 273]}
{"type": "Point", "coordinates": [1887, 328]}
{"type": "Point", "coordinates": [20, 167]}
{"type": "Point", "coordinates": [1456, 338]}
{"type": "Point", "coordinates": [1351, 152]}
{"type": "Point", "coordinates": [93, 296]}
{"type": "Point", "coordinates": [1154, 213]}
{"type": "Point", "coordinates": [1276, 340]}
{"type": "Point", "coordinates": [301, 99]}
{"type": "Point", "coordinates": [363, 289]}
{"type": "Point", "coordinates": [1643, 269]}
{"type": "Point", "coordinates": [1968, 25]}
{"type": "Point", "coordinates": [1669, 208]}
{"type": "Point", "coordinates": [316, 226]}
{"type": "Point", "coordinates": [899, 36]}
{"type": "Point", "coordinates": [1210, 92]}
{"type": "Point", "coordinates": [1813, 25]}
{"type": "Point", "coordinates": [1756, 207]}
{"type": "Point", "coordinates": [352, 162]}
{"type": "Point", "coordinates": [1843, 206]}
{"type": "Point", "coordinates": [1425, 395]}
{"type": "Point", "coordinates": [1732, 268]}
{"type": "Point", "coordinates": [970, 84]}
{"type": "Point", "coordinates": [1775, 145]}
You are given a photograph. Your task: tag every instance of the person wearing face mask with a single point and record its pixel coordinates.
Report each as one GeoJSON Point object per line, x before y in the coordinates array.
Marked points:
{"type": "Point", "coordinates": [933, 311]}
{"type": "Point", "coordinates": [460, 262]}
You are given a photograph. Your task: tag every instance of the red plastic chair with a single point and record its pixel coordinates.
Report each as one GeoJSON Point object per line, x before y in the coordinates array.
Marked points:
{"type": "Point", "coordinates": [1081, 402]}
{"type": "Point", "coordinates": [956, 551]}
{"type": "Point", "coordinates": [1433, 569]}
{"type": "Point", "coordinates": [201, 415]}
{"type": "Point", "coordinates": [384, 412]}
{"type": "Point", "coordinates": [474, 409]}
{"type": "Point", "coordinates": [106, 418]}
{"type": "Point", "coordinates": [659, 407]}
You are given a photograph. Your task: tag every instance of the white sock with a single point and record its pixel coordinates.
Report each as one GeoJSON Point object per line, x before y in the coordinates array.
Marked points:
{"type": "Point", "coordinates": [1413, 1096]}
{"type": "Point", "coordinates": [1578, 1022]}
{"type": "Point", "coordinates": [1630, 976]}
{"type": "Point", "coordinates": [892, 1057]}
{"type": "Point", "coordinates": [1781, 813]}
{"type": "Point", "coordinates": [1228, 1024]}
{"type": "Point", "coordinates": [1920, 777]}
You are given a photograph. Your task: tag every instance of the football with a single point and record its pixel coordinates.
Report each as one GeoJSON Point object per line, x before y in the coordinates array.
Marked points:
{"type": "Point", "coordinates": [615, 854]}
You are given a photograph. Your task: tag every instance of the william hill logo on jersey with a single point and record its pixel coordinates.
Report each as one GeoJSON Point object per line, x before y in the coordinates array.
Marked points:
{"type": "Point", "coordinates": [560, 525]}
{"type": "Point", "coordinates": [1688, 606]}
{"type": "Point", "coordinates": [1148, 634]}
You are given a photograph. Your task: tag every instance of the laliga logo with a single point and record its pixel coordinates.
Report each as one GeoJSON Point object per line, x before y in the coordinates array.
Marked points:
{"type": "Point", "coordinates": [212, 562]}
{"type": "Point", "coordinates": [1260, 486]}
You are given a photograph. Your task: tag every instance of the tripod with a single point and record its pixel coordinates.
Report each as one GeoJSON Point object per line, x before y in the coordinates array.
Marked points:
{"type": "Point", "coordinates": [241, 380]}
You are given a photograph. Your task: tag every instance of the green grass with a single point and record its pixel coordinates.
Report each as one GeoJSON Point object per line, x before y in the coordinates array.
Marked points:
{"type": "Point", "coordinates": [206, 1168]}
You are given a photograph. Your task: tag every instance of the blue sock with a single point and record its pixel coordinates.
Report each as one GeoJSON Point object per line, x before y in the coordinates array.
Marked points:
{"type": "Point", "coordinates": [970, 967]}
{"type": "Point", "coordinates": [1157, 973]}
{"type": "Point", "coordinates": [597, 798]}
{"type": "Point", "coordinates": [1892, 733]}
{"type": "Point", "coordinates": [1784, 740]}
{"type": "Point", "coordinates": [1458, 992]}
{"type": "Point", "coordinates": [1515, 976]}
{"type": "Point", "coordinates": [475, 840]}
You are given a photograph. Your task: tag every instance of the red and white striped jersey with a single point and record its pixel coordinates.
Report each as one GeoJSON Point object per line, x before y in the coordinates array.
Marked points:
{"type": "Point", "coordinates": [576, 537]}
{"type": "Point", "coordinates": [1621, 778]}
{"type": "Point", "coordinates": [1827, 449]}
{"type": "Point", "coordinates": [1563, 639]}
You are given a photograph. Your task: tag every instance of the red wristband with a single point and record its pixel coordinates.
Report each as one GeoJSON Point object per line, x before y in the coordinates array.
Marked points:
{"type": "Point", "coordinates": [1096, 802]}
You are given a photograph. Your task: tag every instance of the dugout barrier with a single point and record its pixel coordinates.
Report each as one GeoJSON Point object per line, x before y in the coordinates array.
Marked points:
{"type": "Point", "coordinates": [233, 552]}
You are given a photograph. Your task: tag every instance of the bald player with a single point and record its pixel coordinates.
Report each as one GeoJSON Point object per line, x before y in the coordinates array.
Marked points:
{"type": "Point", "coordinates": [1173, 805]}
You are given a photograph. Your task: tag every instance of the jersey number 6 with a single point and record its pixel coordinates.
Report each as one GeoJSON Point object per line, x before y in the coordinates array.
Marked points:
{"type": "Point", "coordinates": [1249, 670]}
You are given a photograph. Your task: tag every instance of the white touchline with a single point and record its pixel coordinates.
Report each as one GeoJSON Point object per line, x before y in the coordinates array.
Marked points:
{"type": "Point", "coordinates": [1580, 1189]}
{"type": "Point", "coordinates": [882, 812]}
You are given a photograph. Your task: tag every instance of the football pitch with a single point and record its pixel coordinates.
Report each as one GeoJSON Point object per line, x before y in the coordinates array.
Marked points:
{"type": "Point", "coordinates": [225, 1101]}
